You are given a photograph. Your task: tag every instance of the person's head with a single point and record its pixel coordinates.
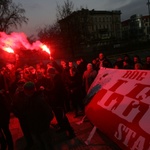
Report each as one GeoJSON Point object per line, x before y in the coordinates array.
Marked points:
{"type": "Point", "coordinates": [51, 72]}
{"type": "Point", "coordinates": [32, 70]}
{"type": "Point", "coordinates": [126, 57]}
{"type": "Point", "coordinates": [78, 62]}
{"type": "Point", "coordinates": [94, 61]}
{"type": "Point", "coordinates": [118, 65]}
{"type": "Point", "coordinates": [49, 65]}
{"type": "Point", "coordinates": [125, 62]}
{"type": "Point", "coordinates": [101, 56]}
{"type": "Point", "coordinates": [2, 70]}
{"type": "Point", "coordinates": [89, 67]}
{"type": "Point", "coordinates": [21, 83]}
{"type": "Point", "coordinates": [71, 65]}
{"type": "Point", "coordinates": [137, 66]}
{"type": "Point", "coordinates": [136, 59]}
{"type": "Point", "coordinates": [148, 59]}
{"type": "Point", "coordinates": [29, 88]}
{"type": "Point", "coordinates": [19, 74]}
{"type": "Point", "coordinates": [10, 66]}
{"type": "Point", "coordinates": [63, 63]}
{"type": "Point", "coordinates": [39, 75]}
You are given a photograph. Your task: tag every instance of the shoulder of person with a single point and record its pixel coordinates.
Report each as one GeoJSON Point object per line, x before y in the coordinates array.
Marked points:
{"type": "Point", "coordinates": [19, 94]}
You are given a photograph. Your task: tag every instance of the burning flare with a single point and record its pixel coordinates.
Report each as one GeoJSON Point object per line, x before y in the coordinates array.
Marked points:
{"type": "Point", "coordinates": [8, 49]}
{"type": "Point", "coordinates": [46, 49]}
{"type": "Point", "coordinates": [14, 41]}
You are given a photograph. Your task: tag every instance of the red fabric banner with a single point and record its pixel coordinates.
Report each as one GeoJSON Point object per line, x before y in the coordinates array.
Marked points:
{"type": "Point", "coordinates": [118, 104]}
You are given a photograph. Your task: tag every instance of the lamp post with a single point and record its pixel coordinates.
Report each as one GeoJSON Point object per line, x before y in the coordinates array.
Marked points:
{"type": "Point", "coordinates": [148, 4]}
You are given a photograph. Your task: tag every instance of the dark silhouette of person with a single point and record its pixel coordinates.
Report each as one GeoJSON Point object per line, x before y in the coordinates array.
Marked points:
{"type": "Point", "coordinates": [5, 134]}
{"type": "Point", "coordinates": [57, 97]}
{"type": "Point", "coordinates": [74, 88]}
{"type": "Point", "coordinates": [34, 114]}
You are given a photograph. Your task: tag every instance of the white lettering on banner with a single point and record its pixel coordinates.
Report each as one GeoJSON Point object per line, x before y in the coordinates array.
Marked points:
{"type": "Point", "coordinates": [125, 108]}
{"type": "Point", "coordinates": [133, 104]}
{"type": "Point", "coordinates": [127, 135]}
{"type": "Point", "coordinates": [139, 144]}
{"type": "Point", "coordinates": [122, 129]}
{"type": "Point", "coordinates": [135, 75]}
{"type": "Point", "coordinates": [144, 123]}
{"type": "Point", "coordinates": [125, 95]}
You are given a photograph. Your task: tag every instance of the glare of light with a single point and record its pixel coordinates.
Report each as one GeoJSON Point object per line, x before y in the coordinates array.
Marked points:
{"type": "Point", "coordinates": [46, 49]}
{"type": "Point", "coordinates": [8, 49]}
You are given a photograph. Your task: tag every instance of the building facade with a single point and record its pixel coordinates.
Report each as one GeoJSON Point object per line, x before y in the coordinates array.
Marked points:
{"type": "Point", "coordinates": [136, 28]}
{"type": "Point", "coordinates": [91, 29]}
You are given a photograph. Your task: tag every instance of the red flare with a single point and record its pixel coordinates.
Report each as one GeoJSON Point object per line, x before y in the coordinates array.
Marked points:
{"type": "Point", "coordinates": [8, 49]}
{"type": "Point", "coordinates": [19, 41]}
{"type": "Point", "coordinates": [46, 49]}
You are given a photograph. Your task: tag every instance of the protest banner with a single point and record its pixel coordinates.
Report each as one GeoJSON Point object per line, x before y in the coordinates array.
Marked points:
{"type": "Point", "coordinates": [118, 104]}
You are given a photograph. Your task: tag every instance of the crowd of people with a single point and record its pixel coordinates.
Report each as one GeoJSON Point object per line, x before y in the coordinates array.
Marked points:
{"type": "Point", "coordinates": [35, 94]}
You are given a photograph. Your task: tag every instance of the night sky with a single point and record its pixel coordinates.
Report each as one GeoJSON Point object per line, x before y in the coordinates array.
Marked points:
{"type": "Point", "coordinates": [43, 12]}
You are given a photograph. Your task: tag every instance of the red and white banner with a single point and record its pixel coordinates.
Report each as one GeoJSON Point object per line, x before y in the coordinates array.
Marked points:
{"type": "Point", "coordinates": [118, 104]}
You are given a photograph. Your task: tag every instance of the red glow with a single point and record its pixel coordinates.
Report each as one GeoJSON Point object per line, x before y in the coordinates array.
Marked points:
{"type": "Point", "coordinates": [19, 41]}
{"type": "Point", "coordinates": [8, 49]}
{"type": "Point", "coordinates": [46, 49]}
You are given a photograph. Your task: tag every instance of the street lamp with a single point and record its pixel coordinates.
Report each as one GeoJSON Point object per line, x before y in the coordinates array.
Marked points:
{"type": "Point", "coordinates": [148, 4]}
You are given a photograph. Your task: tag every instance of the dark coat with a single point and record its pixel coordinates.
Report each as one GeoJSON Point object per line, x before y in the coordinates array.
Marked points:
{"type": "Point", "coordinates": [34, 110]}
{"type": "Point", "coordinates": [74, 86]}
{"type": "Point", "coordinates": [58, 93]}
{"type": "Point", "coordinates": [4, 111]}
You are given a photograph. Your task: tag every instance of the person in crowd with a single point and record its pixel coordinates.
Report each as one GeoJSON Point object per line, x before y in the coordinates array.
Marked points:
{"type": "Point", "coordinates": [2, 79]}
{"type": "Point", "coordinates": [74, 88]}
{"type": "Point", "coordinates": [63, 70]}
{"type": "Point", "coordinates": [88, 76]}
{"type": "Point", "coordinates": [128, 59]}
{"type": "Point", "coordinates": [126, 64]}
{"type": "Point", "coordinates": [34, 114]}
{"type": "Point", "coordinates": [136, 59]}
{"type": "Point", "coordinates": [32, 74]}
{"type": "Point", "coordinates": [95, 64]}
{"type": "Point", "coordinates": [48, 65]}
{"type": "Point", "coordinates": [57, 96]}
{"type": "Point", "coordinates": [18, 77]}
{"type": "Point", "coordinates": [104, 62]}
{"type": "Point", "coordinates": [138, 66]}
{"type": "Point", "coordinates": [71, 64]}
{"type": "Point", "coordinates": [118, 64]}
{"type": "Point", "coordinates": [6, 141]}
{"type": "Point", "coordinates": [43, 83]}
{"type": "Point", "coordinates": [10, 73]}
{"type": "Point", "coordinates": [146, 65]}
{"type": "Point", "coordinates": [40, 68]}
{"type": "Point", "coordinates": [5, 84]}
{"type": "Point", "coordinates": [26, 73]}
{"type": "Point", "coordinates": [81, 66]}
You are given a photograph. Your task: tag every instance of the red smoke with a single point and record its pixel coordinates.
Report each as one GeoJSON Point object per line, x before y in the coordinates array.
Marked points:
{"type": "Point", "coordinates": [16, 41]}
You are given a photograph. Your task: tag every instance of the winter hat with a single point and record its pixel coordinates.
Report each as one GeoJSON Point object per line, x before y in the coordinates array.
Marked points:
{"type": "Point", "coordinates": [29, 86]}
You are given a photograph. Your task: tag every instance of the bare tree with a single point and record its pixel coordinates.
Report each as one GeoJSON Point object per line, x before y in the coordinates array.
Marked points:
{"type": "Point", "coordinates": [49, 33]}
{"type": "Point", "coordinates": [11, 15]}
{"type": "Point", "coordinates": [64, 10]}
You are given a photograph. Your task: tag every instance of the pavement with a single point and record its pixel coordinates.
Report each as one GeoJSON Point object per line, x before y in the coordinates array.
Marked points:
{"type": "Point", "coordinates": [82, 141]}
